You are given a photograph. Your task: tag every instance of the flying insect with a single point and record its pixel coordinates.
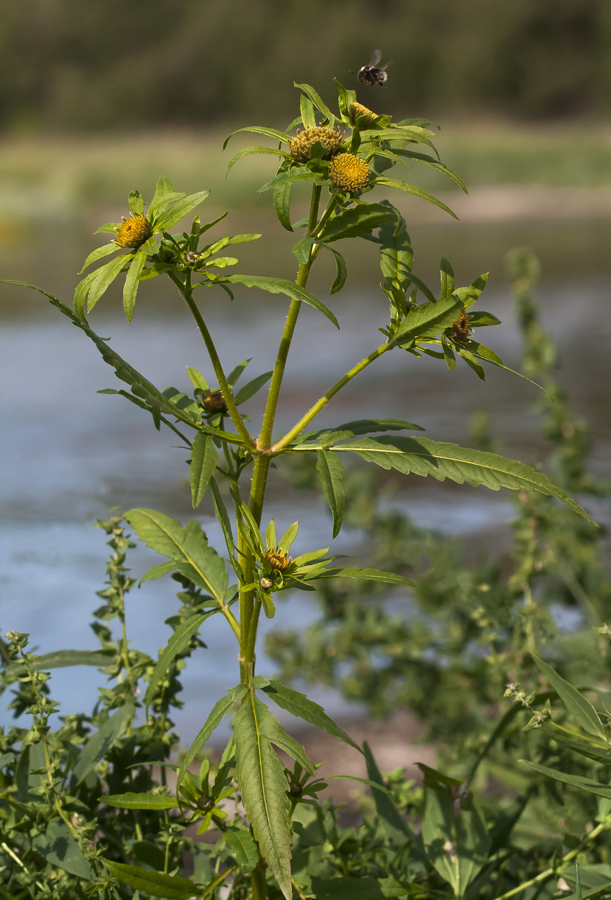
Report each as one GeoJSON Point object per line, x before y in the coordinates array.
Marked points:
{"type": "Point", "coordinates": [372, 73]}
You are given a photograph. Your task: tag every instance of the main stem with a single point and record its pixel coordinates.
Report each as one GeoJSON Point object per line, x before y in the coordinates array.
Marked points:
{"type": "Point", "coordinates": [249, 608]}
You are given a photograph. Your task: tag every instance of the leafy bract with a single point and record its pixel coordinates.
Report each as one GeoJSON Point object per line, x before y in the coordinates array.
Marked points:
{"type": "Point", "coordinates": [263, 785]}
{"type": "Point", "coordinates": [299, 705]}
{"type": "Point", "coordinates": [422, 456]}
{"type": "Point", "coordinates": [430, 318]}
{"type": "Point", "coordinates": [187, 547]}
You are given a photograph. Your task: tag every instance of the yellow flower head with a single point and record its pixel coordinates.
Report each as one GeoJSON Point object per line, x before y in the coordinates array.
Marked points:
{"type": "Point", "coordinates": [301, 145]}
{"type": "Point", "coordinates": [461, 328]}
{"type": "Point", "coordinates": [134, 232]}
{"type": "Point", "coordinates": [349, 172]}
{"type": "Point", "coordinates": [357, 109]}
{"type": "Point", "coordinates": [278, 561]}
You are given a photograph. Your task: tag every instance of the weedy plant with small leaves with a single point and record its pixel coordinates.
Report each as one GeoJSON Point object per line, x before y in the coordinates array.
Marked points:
{"type": "Point", "coordinates": [102, 805]}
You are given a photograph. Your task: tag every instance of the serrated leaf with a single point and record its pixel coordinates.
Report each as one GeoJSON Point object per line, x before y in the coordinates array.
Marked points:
{"type": "Point", "coordinates": [132, 800]}
{"type": "Point", "coordinates": [188, 547]}
{"type": "Point", "coordinates": [263, 785]}
{"type": "Point", "coordinates": [578, 781]}
{"type": "Point", "coordinates": [248, 151]}
{"type": "Point", "coordinates": [359, 426]}
{"type": "Point", "coordinates": [176, 644]}
{"type": "Point", "coordinates": [447, 277]}
{"type": "Point", "coordinates": [299, 705]}
{"type": "Point", "coordinates": [203, 464]}
{"type": "Point", "coordinates": [163, 190]}
{"type": "Point", "coordinates": [367, 575]}
{"type": "Point", "coordinates": [217, 714]}
{"type": "Point", "coordinates": [168, 887]}
{"type": "Point", "coordinates": [130, 288]}
{"type": "Point", "coordinates": [179, 210]}
{"type": "Point", "coordinates": [250, 389]}
{"type": "Point", "coordinates": [430, 318]}
{"type": "Point", "coordinates": [396, 256]}
{"type": "Point", "coordinates": [100, 743]}
{"type": "Point", "coordinates": [136, 203]}
{"type": "Point", "coordinates": [282, 286]}
{"type": "Point", "coordinates": [578, 707]}
{"type": "Point", "coordinates": [306, 107]}
{"type": "Point", "coordinates": [290, 176]}
{"type": "Point", "coordinates": [425, 457]}
{"type": "Point", "coordinates": [412, 189]}
{"type": "Point", "coordinates": [317, 101]}
{"type": "Point", "coordinates": [103, 278]}
{"type": "Point", "coordinates": [331, 474]}
{"type": "Point", "coordinates": [358, 221]}
{"type": "Point", "coordinates": [100, 253]}
{"type": "Point", "coordinates": [393, 824]}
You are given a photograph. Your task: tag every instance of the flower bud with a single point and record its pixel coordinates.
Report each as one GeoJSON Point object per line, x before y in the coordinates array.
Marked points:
{"type": "Point", "coordinates": [214, 402]}
{"type": "Point", "coordinates": [133, 232]}
{"type": "Point", "coordinates": [278, 561]}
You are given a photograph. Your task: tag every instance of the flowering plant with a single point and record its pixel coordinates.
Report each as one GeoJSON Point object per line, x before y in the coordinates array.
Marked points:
{"type": "Point", "coordinates": [344, 157]}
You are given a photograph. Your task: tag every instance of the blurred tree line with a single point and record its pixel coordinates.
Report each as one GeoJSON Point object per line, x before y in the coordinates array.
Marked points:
{"type": "Point", "coordinates": [66, 64]}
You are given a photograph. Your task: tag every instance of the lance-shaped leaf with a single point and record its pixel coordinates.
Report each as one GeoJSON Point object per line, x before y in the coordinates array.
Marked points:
{"type": "Point", "coordinates": [168, 887]}
{"type": "Point", "coordinates": [430, 318]}
{"type": "Point", "coordinates": [282, 204]}
{"type": "Point", "coordinates": [318, 102]}
{"type": "Point", "coordinates": [100, 743]}
{"type": "Point", "coordinates": [359, 221]}
{"type": "Point", "coordinates": [431, 161]}
{"type": "Point", "coordinates": [250, 389]}
{"type": "Point", "coordinates": [299, 705]}
{"type": "Point", "coordinates": [579, 708]}
{"type": "Point", "coordinates": [425, 457]}
{"type": "Point", "coordinates": [131, 800]}
{"type": "Point", "coordinates": [290, 176]}
{"type": "Point", "coordinates": [203, 463]}
{"type": "Point", "coordinates": [359, 426]}
{"type": "Point", "coordinates": [100, 253]}
{"type": "Point", "coordinates": [130, 288]}
{"type": "Point", "coordinates": [59, 659]}
{"type": "Point", "coordinates": [258, 129]}
{"type": "Point", "coordinates": [263, 785]}
{"type": "Point", "coordinates": [177, 643]}
{"type": "Point", "coordinates": [395, 827]}
{"type": "Point", "coordinates": [352, 889]}
{"type": "Point", "coordinates": [188, 547]}
{"type": "Point", "coordinates": [248, 151]}
{"type": "Point", "coordinates": [578, 781]}
{"type": "Point", "coordinates": [367, 575]}
{"type": "Point", "coordinates": [61, 848]}
{"type": "Point", "coordinates": [416, 191]}
{"type": "Point", "coordinates": [396, 257]}
{"type": "Point", "coordinates": [331, 474]}
{"type": "Point", "coordinates": [218, 712]}
{"type": "Point", "coordinates": [243, 847]}
{"type": "Point", "coordinates": [103, 278]}
{"type": "Point", "coordinates": [179, 210]}
{"type": "Point", "coordinates": [281, 286]}
{"type": "Point", "coordinates": [342, 270]}
{"type": "Point", "coordinates": [447, 277]}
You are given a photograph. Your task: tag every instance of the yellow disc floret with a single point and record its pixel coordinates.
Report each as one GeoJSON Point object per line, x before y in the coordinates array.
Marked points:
{"type": "Point", "coordinates": [349, 173]}
{"type": "Point", "coordinates": [301, 145]}
{"type": "Point", "coordinates": [134, 232]}
{"type": "Point", "coordinates": [355, 110]}
{"type": "Point", "coordinates": [278, 561]}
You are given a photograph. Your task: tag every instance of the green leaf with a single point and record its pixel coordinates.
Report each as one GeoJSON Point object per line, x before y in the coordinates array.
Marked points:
{"type": "Point", "coordinates": [430, 318]}
{"type": "Point", "coordinates": [396, 256]}
{"type": "Point", "coordinates": [578, 781]}
{"type": "Point", "coordinates": [348, 889]}
{"type": "Point", "coordinates": [168, 887]}
{"type": "Point", "coordinates": [263, 784]}
{"type": "Point", "coordinates": [447, 277]}
{"type": "Point", "coordinates": [456, 845]}
{"type": "Point", "coordinates": [587, 880]}
{"type": "Point", "coordinates": [393, 824]}
{"type": "Point", "coordinates": [359, 221]}
{"type": "Point", "coordinates": [345, 97]}
{"type": "Point", "coordinates": [179, 210]}
{"type": "Point", "coordinates": [59, 659]}
{"type": "Point", "coordinates": [158, 572]}
{"type": "Point", "coordinates": [480, 318]}
{"type": "Point", "coordinates": [435, 163]}
{"type": "Point", "coordinates": [425, 457]}
{"type": "Point", "coordinates": [302, 249]}
{"type": "Point", "coordinates": [136, 203]}
{"type": "Point", "coordinates": [367, 575]}
{"type": "Point", "coordinates": [188, 547]}
{"type": "Point", "coordinates": [103, 278]}
{"type": "Point", "coordinates": [100, 253]}
{"type": "Point", "coordinates": [578, 707]}
{"type": "Point", "coordinates": [281, 286]}
{"type": "Point", "coordinates": [282, 204]}
{"type": "Point", "coordinates": [257, 129]}
{"type": "Point", "coordinates": [60, 848]}
{"type": "Point", "coordinates": [286, 541]}
{"type": "Point", "coordinates": [177, 643]}
{"type": "Point", "coordinates": [197, 379]}
{"type": "Point", "coordinates": [243, 847]}
{"type": "Point", "coordinates": [203, 464]}
{"type": "Point", "coordinates": [100, 743]}
{"type": "Point", "coordinates": [223, 517]}
{"type": "Point", "coordinates": [469, 295]}
{"type": "Point", "coordinates": [131, 800]}
{"type": "Point", "coordinates": [342, 271]}
{"type": "Point", "coordinates": [299, 705]}
{"type": "Point", "coordinates": [331, 474]}
{"type": "Point", "coordinates": [248, 151]}
{"type": "Point", "coordinates": [359, 426]}
{"type": "Point", "coordinates": [131, 283]}
{"type": "Point", "coordinates": [218, 712]}
{"type": "Point", "coordinates": [306, 108]}
{"type": "Point", "coordinates": [412, 189]}
{"type": "Point", "coordinates": [164, 193]}
{"type": "Point", "coordinates": [249, 390]}
{"type": "Point", "coordinates": [317, 101]}
{"type": "Point", "coordinates": [290, 176]}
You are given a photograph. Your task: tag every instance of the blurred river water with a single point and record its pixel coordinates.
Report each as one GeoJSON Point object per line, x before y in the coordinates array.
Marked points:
{"type": "Point", "coordinates": [68, 456]}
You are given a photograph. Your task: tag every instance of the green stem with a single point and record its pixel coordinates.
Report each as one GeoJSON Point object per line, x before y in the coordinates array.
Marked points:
{"type": "Point", "coordinates": [187, 292]}
{"type": "Point", "coordinates": [259, 891]}
{"type": "Point", "coordinates": [547, 873]}
{"type": "Point", "coordinates": [292, 434]}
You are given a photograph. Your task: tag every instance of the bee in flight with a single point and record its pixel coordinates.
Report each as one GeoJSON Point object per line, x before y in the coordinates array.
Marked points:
{"type": "Point", "coordinates": [372, 73]}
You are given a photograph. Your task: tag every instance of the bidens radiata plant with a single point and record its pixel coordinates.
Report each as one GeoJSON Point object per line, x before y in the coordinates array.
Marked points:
{"type": "Point", "coordinates": [123, 834]}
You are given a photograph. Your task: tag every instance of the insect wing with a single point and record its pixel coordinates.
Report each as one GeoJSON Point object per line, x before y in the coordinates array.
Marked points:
{"type": "Point", "coordinates": [376, 56]}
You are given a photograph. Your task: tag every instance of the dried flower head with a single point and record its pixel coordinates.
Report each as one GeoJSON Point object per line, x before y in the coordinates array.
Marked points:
{"type": "Point", "coordinates": [214, 402]}
{"type": "Point", "coordinates": [133, 232]}
{"type": "Point", "coordinates": [349, 173]}
{"type": "Point", "coordinates": [461, 328]}
{"type": "Point", "coordinates": [265, 583]}
{"type": "Point", "coordinates": [357, 109]}
{"type": "Point", "coordinates": [301, 145]}
{"type": "Point", "coordinates": [278, 561]}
